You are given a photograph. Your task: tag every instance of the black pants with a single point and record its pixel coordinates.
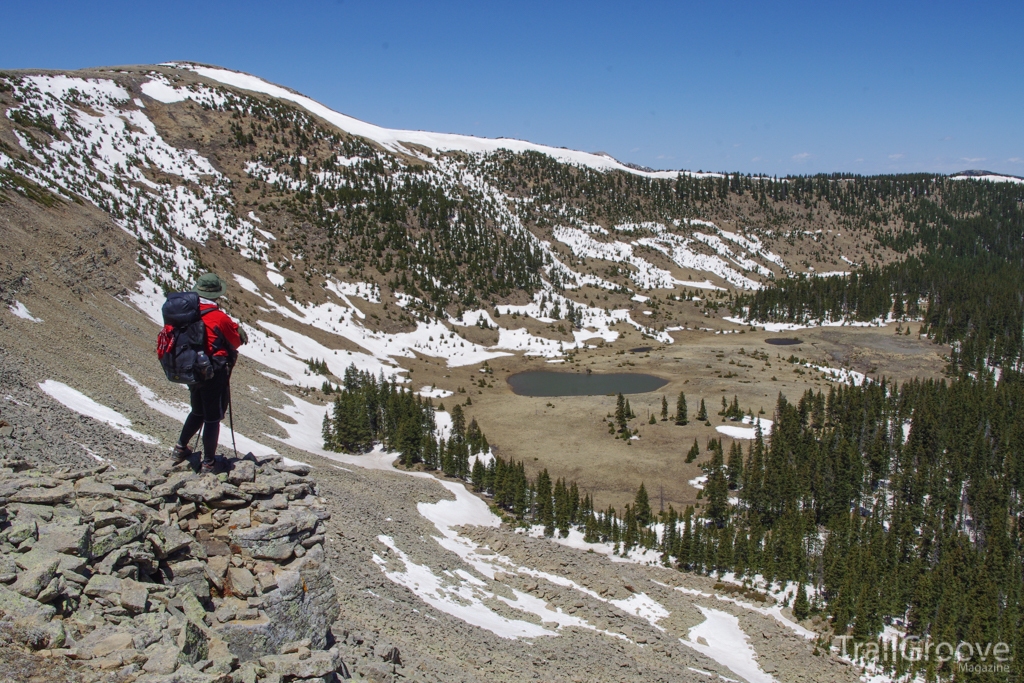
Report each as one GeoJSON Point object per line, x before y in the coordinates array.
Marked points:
{"type": "Point", "coordinates": [209, 402]}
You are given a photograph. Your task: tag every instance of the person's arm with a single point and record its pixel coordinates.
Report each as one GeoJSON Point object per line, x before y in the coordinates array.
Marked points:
{"type": "Point", "coordinates": [229, 328]}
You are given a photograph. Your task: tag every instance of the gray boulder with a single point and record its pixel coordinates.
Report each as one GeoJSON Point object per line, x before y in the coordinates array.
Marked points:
{"type": "Point", "coordinates": [32, 581]}
{"type": "Point", "coordinates": [304, 605]}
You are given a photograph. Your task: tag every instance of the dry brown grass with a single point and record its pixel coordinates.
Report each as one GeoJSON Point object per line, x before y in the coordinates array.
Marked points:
{"type": "Point", "coordinates": [569, 435]}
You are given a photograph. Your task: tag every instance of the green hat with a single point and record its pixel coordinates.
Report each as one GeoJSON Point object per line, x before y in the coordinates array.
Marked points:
{"type": "Point", "coordinates": [209, 286]}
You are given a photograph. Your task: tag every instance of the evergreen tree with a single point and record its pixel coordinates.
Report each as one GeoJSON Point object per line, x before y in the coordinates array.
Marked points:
{"type": "Point", "coordinates": [620, 413]}
{"type": "Point", "coordinates": [735, 466]}
{"type": "Point", "coordinates": [702, 413]}
{"type": "Point", "coordinates": [544, 509]}
{"type": "Point", "coordinates": [563, 508]}
{"type": "Point", "coordinates": [694, 452]}
{"type": "Point", "coordinates": [479, 475]}
{"type": "Point", "coordinates": [716, 491]}
{"type": "Point", "coordinates": [642, 506]}
{"type": "Point", "coordinates": [681, 412]}
{"type": "Point", "coordinates": [664, 409]}
{"type": "Point", "coordinates": [458, 424]}
{"type": "Point", "coordinates": [801, 606]}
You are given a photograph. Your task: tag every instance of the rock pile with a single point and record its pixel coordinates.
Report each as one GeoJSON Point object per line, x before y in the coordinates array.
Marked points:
{"type": "Point", "coordinates": [162, 575]}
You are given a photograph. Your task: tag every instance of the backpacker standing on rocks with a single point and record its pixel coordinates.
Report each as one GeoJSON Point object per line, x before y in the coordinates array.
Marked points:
{"type": "Point", "coordinates": [198, 346]}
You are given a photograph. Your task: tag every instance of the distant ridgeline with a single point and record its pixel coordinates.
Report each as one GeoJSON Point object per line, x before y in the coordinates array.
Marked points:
{"type": "Point", "coordinates": [963, 273]}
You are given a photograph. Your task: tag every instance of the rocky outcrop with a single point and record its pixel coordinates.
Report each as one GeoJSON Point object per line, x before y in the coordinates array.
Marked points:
{"type": "Point", "coordinates": [160, 574]}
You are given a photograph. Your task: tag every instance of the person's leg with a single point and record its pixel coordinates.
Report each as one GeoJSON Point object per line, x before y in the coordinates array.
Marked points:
{"type": "Point", "coordinates": [192, 423]}
{"type": "Point", "coordinates": [211, 434]}
{"type": "Point", "coordinates": [212, 394]}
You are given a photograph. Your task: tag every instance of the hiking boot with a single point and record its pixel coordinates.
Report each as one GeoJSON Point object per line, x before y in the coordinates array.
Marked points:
{"type": "Point", "coordinates": [180, 453]}
{"type": "Point", "coordinates": [208, 467]}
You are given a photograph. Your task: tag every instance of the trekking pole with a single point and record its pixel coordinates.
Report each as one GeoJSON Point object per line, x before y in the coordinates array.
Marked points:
{"type": "Point", "coordinates": [199, 436]}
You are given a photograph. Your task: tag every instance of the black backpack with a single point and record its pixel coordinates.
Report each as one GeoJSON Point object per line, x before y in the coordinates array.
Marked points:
{"type": "Point", "coordinates": [181, 345]}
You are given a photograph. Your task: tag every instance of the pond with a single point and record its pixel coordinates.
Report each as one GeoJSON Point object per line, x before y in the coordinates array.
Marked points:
{"type": "Point", "coordinates": [640, 349]}
{"type": "Point", "coordinates": [784, 341]}
{"type": "Point", "coordinates": [547, 383]}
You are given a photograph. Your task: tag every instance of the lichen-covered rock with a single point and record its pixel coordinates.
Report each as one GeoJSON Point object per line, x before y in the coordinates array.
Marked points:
{"type": "Point", "coordinates": [191, 573]}
{"type": "Point", "coordinates": [162, 660]}
{"type": "Point", "coordinates": [242, 471]}
{"type": "Point", "coordinates": [45, 496]}
{"type": "Point", "coordinates": [127, 559]}
{"type": "Point", "coordinates": [22, 531]}
{"type": "Point", "coordinates": [297, 666]}
{"type": "Point", "coordinates": [275, 541]}
{"type": "Point", "coordinates": [304, 605]}
{"type": "Point", "coordinates": [15, 604]}
{"type": "Point", "coordinates": [168, 540]}
{"type": "Point", "coordinates": [193, 643]}
{"type": "Point", "coordinates": [103, 586]}
{"type": "Point", "coordinates": [104, 544]}
{"type": "Point", "coordinates": [32, 581]}
{"type": "Point", "coordinates": [65, 538]}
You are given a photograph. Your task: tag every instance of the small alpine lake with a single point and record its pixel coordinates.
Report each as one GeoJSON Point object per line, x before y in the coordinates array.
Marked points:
{"type": "Point", "coordinates": [783, 341]}
{"type": "Point", "coordinates": [548, 383]}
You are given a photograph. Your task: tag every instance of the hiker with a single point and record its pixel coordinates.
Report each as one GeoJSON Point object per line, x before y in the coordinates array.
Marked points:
{"type": "Point", "coordinates": [209, 399]}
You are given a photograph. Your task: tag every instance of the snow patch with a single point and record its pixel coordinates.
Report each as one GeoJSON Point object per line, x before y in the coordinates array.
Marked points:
{"type": "Point", "coordinates": [746, 432]}
{"type": "Point", "coordinates": [83, 405]}
{"type": "Point", "coordinates": [18, 309]}
{"type": "Point", "coordinates": [720, 638]}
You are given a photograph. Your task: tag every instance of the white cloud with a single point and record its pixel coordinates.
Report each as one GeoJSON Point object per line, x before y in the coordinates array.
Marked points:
{"type": "Point", "coordinates": [972, 160]}
{"type": "Point", "coordinates": [894, 157]}
{"type": "Point", "coordinates": [802, 156]}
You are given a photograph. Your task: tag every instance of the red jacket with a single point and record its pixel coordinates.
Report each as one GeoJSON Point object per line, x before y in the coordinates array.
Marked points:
{"type": "Point", "coordinates": [220, 330]}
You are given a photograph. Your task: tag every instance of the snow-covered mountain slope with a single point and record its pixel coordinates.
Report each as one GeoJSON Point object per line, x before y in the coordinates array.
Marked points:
{"type": "Point", "coordinates": [401, 141]}
{"type": "Point", "coordinates": [149, 148]}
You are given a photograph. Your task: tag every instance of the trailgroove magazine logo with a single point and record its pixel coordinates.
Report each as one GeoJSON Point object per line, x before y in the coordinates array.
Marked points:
{"type": "Point", "coordinates": [968, 657]}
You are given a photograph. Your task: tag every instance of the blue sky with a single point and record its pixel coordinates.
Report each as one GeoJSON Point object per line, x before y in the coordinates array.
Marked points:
{"type": "Point", "coordinates": [754, 87]}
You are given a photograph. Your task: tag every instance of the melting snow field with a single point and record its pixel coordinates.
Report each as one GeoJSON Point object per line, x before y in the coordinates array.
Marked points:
{"type": "Point", "coordinates": [789, 327]}
{"type": "Point", "coordinates": [83, 405]}
{"type": "Point", "coordinates": [575, 540]}
{"type": "Point", "coordinates": [746, 432]}
{"type": "Point", "coordinates": [721, 638]}
{"type": "Point", "coordinates": [461, 600]}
